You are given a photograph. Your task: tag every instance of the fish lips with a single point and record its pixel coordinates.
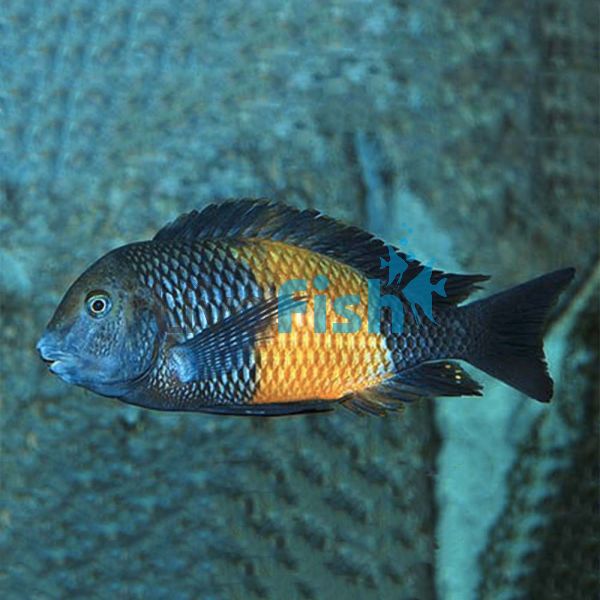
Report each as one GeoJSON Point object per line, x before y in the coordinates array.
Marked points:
{"type": "Point", "coordinates": [58, 362]}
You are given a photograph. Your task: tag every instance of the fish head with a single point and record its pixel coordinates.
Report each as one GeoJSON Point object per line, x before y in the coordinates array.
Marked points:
{"type": "Point", "coordinates": [104, 334]}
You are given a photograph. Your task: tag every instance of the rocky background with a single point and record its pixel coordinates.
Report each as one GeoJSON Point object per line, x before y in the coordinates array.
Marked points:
{"type": "Point", "coordinates": [467, 131]}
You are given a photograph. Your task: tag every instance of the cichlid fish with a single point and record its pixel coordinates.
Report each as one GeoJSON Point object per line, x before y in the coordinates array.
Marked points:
{"type": "Point", "coordinates": [196, 319]}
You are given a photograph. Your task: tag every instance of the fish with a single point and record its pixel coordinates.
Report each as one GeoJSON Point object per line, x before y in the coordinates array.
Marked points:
{"type": "Point", "coordinates": [253, 307]}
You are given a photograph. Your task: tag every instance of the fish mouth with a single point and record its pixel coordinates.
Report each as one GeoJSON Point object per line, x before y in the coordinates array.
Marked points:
{"type": "Point", "coordinates": [51, 359]}
{"type": "Point", "coordinates": [59, 365]}
{"type": "Point", "coordinates": [50, 356]}
{"type": "Point", "coordinates": [53, 365]}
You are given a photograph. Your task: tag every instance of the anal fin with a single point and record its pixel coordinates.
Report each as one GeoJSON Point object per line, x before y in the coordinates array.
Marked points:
{"type": "Point", "coordinates": [372, 401]}
{"type": "Point", "coordinates": [445, 378]}
{"type": "Point", "coordinates": [425, 381]}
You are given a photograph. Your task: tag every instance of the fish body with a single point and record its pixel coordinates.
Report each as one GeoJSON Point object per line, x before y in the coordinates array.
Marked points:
{"type": "Point", "coordinates": [251, 307]}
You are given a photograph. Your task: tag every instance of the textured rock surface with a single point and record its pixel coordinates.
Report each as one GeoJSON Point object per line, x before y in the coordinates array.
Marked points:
{"type": "Point", "coordinates": [471, 130]}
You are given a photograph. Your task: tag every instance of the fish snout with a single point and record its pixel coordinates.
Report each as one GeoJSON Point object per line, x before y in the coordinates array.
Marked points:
{"type": "Point", "coordinates": [47, 349]}
{"type": "Point", "coordinates": [58, 362]}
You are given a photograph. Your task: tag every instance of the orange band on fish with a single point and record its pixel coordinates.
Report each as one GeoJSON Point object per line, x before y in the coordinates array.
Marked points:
{"type": "Point", "coordinates": [305, 364]}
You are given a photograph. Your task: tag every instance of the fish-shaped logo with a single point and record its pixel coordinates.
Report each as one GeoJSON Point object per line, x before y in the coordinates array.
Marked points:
{"type": "Point", "coordinates": [419, 293]}
{"type": "Point", "coordinates": [395, 265]}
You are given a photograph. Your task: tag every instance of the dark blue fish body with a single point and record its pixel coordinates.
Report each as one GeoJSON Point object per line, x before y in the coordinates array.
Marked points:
{"type": "Point", "coordinates": [189, 320]}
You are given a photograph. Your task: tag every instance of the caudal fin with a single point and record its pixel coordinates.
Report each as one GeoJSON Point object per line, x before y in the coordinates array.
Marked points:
{"type": "Point", "coordinates": [512, 347]}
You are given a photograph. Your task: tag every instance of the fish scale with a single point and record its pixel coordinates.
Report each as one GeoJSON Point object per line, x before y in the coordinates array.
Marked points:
{"type": "Point", "coordinates": [298, 367]}
{"type": "Point", "coordinates": [423, 340]}
{"type": "Point", "coordinates": [210, 299]}
{"type": "Point", "coordinates": [304, 364]}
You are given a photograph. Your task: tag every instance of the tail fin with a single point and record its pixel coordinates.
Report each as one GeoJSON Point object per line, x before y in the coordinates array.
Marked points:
{"type": "Point", "coordinates": [512, 348]}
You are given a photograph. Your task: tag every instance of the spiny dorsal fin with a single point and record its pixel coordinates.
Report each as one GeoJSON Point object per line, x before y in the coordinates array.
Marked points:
{"type": "Point", "coordinates": [312, 230]}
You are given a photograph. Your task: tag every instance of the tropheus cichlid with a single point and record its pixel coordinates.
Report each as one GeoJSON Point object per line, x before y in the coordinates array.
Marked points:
{"type": "Point", "coordinates": [192, 320]}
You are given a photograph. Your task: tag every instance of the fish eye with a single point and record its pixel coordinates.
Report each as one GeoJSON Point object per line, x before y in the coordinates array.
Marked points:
{"type": "Point", "coordinates": [98, 304]}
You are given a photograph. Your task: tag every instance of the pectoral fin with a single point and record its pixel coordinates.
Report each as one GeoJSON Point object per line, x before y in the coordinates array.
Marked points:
{"type": "Point", "coordinates": [224, 346]}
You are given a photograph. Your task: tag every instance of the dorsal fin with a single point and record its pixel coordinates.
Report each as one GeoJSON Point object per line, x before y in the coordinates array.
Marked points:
{"type": "Point", "coordinates": [311, 230]}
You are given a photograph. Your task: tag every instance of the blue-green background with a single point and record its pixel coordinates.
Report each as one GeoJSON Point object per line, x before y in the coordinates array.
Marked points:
{"type": "Point", "coordinates": [466, 131]}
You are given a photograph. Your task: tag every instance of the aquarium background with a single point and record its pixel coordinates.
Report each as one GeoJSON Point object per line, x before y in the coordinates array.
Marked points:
{"type": "Point", "coordinates": [466, 132]}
